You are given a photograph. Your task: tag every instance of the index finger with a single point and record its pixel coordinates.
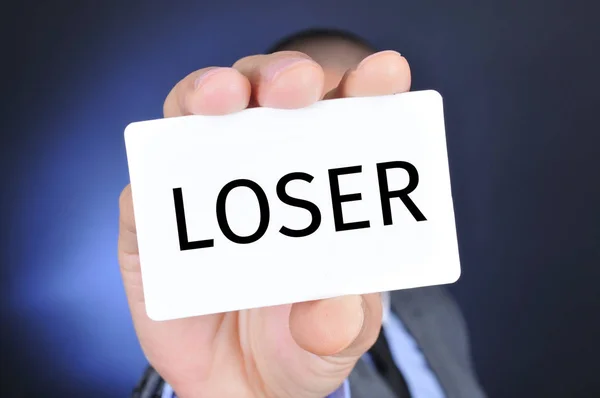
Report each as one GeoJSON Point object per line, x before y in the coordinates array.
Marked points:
{"type": "Point", "coordinates": [208, 91]}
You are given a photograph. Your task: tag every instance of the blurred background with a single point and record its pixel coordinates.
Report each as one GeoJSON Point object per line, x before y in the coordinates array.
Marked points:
{"type": "Point", "coordinates": [521, 87]}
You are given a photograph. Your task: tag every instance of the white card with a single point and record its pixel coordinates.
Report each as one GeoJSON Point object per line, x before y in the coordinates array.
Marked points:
{"type": "Point", "coordinates": [239, 211]}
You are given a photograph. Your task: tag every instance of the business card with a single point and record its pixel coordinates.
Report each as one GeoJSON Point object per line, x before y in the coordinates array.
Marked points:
{"type": "Point", "coordinates": [269, 206]}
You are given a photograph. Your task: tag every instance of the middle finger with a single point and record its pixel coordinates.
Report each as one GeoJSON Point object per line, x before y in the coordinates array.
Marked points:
{"type": "Point", "coordinates": [286, 79]}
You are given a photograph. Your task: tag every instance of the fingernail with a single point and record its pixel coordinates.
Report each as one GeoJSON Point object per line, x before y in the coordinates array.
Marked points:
{"type": "Point", "coordinates": [273, 70]}
{"type": "Point", "coordinates": [202, 78]}
{"type": "Point", "coordinates": [366, 60]}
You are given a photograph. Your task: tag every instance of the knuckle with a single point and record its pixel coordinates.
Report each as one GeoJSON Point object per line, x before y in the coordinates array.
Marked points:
{"type": "Point", "coordinates": [125, 199]}
{"type": "Point", "coordinates": [126, 216]}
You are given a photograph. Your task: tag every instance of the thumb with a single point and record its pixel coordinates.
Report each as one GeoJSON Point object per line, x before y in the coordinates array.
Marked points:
{"type": "Point", "coordinates": [345, 326]}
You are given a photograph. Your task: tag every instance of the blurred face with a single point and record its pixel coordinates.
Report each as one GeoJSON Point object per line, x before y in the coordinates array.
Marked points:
{"type": "Point", "coordinates": [335, 55]}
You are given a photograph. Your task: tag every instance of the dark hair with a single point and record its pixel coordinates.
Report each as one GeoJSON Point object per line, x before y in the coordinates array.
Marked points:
{"type": "Point", "coordinates": [318, 33]}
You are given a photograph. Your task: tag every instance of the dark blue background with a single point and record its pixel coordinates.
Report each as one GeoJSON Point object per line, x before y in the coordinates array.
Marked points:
{"type": "Point", "coordinates": [520, 81]}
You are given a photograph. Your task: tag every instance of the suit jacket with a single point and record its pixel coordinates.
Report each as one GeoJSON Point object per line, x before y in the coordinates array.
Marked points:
{"type": "Point", "coordinates": [436, 324]}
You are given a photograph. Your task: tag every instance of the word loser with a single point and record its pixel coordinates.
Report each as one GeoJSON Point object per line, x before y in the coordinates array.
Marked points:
{"type": "Point", "coordinates": [336, 197]}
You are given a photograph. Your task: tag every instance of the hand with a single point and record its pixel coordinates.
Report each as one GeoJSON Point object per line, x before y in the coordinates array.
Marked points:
{"type": "Point", "coordinates": [305, 350]}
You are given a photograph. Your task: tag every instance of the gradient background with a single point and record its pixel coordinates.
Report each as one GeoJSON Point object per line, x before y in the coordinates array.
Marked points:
{"type": "Point", "coordinates": [520, 81]}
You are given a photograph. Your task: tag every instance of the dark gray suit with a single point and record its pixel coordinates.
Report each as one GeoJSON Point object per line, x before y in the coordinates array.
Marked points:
{"type": "Point", "coordinates": [435, 322]}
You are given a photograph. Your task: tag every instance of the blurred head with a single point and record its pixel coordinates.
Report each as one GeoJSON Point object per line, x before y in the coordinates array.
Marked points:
{"type": "Point", "coordinates": [336, 51]}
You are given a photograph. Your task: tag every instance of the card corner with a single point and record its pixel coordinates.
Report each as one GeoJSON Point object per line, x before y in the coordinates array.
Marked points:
{"type": "Point", "coordinates": [435, 94]}
{"type": "Point", "coordinates": [155, 314]}
{"type": "Point", "coordinates": [455, 275]}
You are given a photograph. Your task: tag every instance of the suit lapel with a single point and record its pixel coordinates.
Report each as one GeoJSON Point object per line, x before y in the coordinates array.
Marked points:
{"type": "Point", "coordinates": [414, 309]}
{"type": "Point", "coordinates": [434, 321]}
{"type": "Point", "coordinates": [410, 305]}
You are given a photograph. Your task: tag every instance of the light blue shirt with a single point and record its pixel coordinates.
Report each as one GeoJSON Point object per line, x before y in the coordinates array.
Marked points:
{"type": "Point", "coordinates": [407, 355]}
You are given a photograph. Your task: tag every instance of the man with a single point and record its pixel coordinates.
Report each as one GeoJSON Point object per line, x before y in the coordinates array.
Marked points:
{"type": "Point", "coordinates": [325, 348]}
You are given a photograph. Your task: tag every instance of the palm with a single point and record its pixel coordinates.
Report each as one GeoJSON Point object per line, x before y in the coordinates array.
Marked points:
{"type": "Point", "coordinates": [243, 345]}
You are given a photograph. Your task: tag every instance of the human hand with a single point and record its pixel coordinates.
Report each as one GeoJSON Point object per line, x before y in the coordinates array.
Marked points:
{"type": "Point", "coordinates": [304, 350]}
